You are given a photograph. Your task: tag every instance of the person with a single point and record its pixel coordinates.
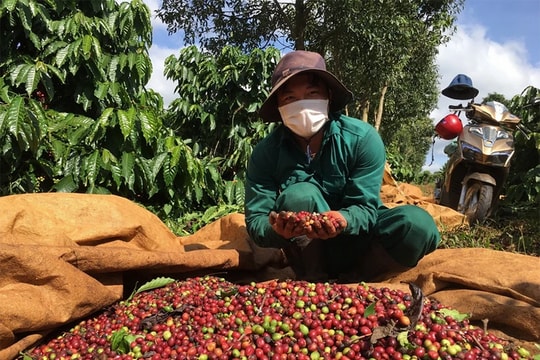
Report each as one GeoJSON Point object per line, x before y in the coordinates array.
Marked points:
{"type": "Point", "coordinates": [322, 161]}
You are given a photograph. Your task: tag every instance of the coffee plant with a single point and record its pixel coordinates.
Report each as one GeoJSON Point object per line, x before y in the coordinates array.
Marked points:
{"type": "Point", "coordinates": [220, 97]}
{"type": "Point", "coordinates": [212, 318]}
{"type": "Point", "coordinates": [523, 185]}
{"type": "Point", "coordinates": [75, 115]}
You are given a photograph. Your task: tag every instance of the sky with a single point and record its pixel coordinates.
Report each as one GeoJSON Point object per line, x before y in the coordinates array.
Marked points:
{"type": "Point", "coordinates": [496, 44]}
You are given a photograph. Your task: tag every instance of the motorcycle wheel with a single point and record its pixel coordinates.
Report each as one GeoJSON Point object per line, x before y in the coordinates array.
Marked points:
{"type": "Point", "coordinates": [477, 205]}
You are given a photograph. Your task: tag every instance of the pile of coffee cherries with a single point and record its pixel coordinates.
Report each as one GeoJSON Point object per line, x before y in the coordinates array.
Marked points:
{"type": "Point", "coordinates": [211, 318]}
{"type": "Point", "coordinates": [306, 219]}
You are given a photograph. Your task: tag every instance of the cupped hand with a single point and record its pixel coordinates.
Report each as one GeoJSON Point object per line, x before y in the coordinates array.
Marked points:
{"type": "Point", "coordinates": [331, 224]}
{"type": "Point", "coordinates": [284, 224]}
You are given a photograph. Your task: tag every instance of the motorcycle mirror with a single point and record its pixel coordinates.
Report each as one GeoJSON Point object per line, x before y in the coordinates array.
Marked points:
{"type": "Point", "coordinates": [461, 88]}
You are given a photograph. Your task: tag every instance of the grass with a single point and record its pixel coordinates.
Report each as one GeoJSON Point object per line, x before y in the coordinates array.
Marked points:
{"type": "Point", "coordinates": [513, 231]}
{"type": "Point", "coordinates": [513, 228]}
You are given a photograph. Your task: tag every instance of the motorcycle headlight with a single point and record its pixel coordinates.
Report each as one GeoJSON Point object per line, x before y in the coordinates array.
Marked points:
{"type": "Point", "coordinates": [476, 130]}
{"type": "Point", "coordinates": [471, 153]}
{"type": "Point", "coordinates": [502, 134]}
{"type": "Point", "coordinates": [500, 158]}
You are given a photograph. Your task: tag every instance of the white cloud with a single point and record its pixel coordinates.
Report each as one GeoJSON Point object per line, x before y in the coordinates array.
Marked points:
{"type": "Point", "coordinates": [158, 82]}
{"type": "Point", "coordinates": [156, 22]}
{"type": "Point", "coordinates": [159, 51]}
{"type": "Point", "coordinates": [493, 67]}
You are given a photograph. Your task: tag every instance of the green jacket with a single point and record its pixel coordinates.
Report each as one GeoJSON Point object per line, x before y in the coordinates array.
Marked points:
{"type": "Point", "coordinates": [348, 169]}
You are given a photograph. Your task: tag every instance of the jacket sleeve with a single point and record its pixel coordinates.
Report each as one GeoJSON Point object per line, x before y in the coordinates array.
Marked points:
{"type": "Point", "coordinates": [361, 198]}
{"type": "Point", "coordinates": [261, 194]}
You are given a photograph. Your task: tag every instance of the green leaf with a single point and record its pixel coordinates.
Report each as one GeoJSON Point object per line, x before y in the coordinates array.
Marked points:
{"type": "Point", "coordinates": [128, 162]}
{"type": "Point", "coordinates": [126, 120]}
{"type": "Point", "coordinates": [101, 90]}
{"type": "Point", "coordinates": [454, 314]}
{"type": "Point", "coordinates": [9, 4]}
{"type": "Point", "coordinates": [107, 157]}
{"type": "Point", "coordinates": [144, 65]}
{"type": "Point", "coordinates": [32, 79]}
{"type": "Point", "coordinates": [96, 46]}
{"type": "Point", "coordinates": [131, 58]}
{"type": "Point", "coordinates": [36, 41]}
{"type": "Point", "coordinates": [402, 338]}
{"type": "Point", "coordinates": [230, 191]}
{"type": "Point", "coordinates": [62, 55]}
{"type": "Point", "coordinates": [240, 192]}
{"type": "Point", "coordinates": [102, 122]}
{"type": "Point", "coordinates": [23, 124]}
{"type": "Point", "coordinates": [87, 42]}
{"type": "Point", "coordinates": [83, 99]}
{"type": "Point", "coordinates": [4, 92]}
{"type": "Point", "coordinates": [81, 127]}
{"type": "Point", "coordinates": [67, 185]}
{"type": "Point", "coordinates": [153, 284]}
{"type": "Point", "coordinates": [150, 125]}
{"type": "Point", "coordinates": [15, 115]}
{"type": "Point", "coordinates": [121, 341]}
{"type": "Point", "coordinates": [111, 22]}
{"type": "Point", "coordinates": [91, 166]}
{"type": "Point", "coordinates": [113, 66]}
{"type": "Point", "coordinates": [18, 74]}
{"type": "Point", "coordinates": [25, 16]}
{"type": "Point", "coordinates": [370, 310]}
{"type": "Point", "coordinates": [157, 165]}
{"type": "Point", "coordinates": [48, 83]}
{"type": "Point", "coordinates": [145, 167]}
{"type": "Point", "coordinates": [169, 173]}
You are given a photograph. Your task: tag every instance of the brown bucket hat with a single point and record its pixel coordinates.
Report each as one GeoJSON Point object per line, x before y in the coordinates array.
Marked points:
{"type": "Point", "coordinates": [297, 62]}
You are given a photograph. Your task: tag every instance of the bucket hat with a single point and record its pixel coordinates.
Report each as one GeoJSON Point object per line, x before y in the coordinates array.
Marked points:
{"type": "Point", "coordinates": [297, 62]}
{"type": "Point", "coordinates": [461, 88]}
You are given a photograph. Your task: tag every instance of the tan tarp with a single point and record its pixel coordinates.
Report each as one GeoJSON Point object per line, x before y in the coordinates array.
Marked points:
{"type": "Point", "coordinates": [395, 194]}
{"type": "Point", "coordinates": [65, 256]}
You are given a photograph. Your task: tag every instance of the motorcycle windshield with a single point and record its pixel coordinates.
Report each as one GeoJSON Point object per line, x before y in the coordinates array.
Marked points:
{"type": "Point", "coordinates": [495, 113]}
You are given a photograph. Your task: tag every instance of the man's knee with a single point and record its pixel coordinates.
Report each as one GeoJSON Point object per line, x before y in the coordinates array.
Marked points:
{"type": "Point", "coordinates": [410, 233]}
{"type": "Point", "coordinates": [301, 196]}
{"type": "Point", "coordinates": [416, 220]}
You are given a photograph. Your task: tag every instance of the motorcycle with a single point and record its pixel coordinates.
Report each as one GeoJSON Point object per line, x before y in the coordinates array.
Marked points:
{"type": "Point", "coordinates": [480, 158]}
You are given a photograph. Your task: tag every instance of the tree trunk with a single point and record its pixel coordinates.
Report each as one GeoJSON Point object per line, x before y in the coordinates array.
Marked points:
{"type": "Point", "coordinates": [365, 111]}
{"type": "Point", "coordinates": [378, 114]}
{"type": "Point", "coordinates": [299, 25]}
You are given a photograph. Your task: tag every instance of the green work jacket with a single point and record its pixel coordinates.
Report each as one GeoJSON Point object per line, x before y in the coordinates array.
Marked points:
{"type": "Point", "coordinates": [348, 170]}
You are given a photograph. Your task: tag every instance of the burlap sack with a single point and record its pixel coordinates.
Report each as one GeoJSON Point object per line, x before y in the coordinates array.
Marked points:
{"type": "Point", "coordinates": [396, 194]}
{"type": "Point", "coordinates": [499, 286]}
{"type": "Point", "coordinates": [63, 257]}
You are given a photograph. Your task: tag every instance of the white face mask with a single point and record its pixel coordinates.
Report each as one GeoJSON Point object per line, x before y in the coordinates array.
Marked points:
{"type": "Point", "coordinates": [305, 117]}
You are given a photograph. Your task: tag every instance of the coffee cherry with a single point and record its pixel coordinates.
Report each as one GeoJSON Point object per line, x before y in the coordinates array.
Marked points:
{"type": "Point", "coordinates": [211, 318]}
{"type": "Point", "coordinates": [306, 219]}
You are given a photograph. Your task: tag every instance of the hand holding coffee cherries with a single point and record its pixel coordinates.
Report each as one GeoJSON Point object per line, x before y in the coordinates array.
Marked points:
{"type": "Point", "coordinates": [290, 224]}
